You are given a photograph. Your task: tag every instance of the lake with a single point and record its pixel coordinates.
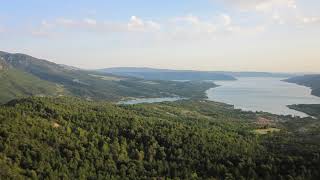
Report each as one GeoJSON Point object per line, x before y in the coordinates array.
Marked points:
{"type": "Point", "coordinates": [262, 94]}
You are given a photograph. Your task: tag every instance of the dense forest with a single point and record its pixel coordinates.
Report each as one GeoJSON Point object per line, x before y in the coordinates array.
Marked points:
{"type": "Point", "coordinates": [311, 109]}
{"type": "Point", "coordinates": [69, 138]}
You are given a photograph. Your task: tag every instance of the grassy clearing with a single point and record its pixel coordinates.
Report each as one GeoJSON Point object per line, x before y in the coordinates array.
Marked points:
{"type": "Point", "coordinates": [266, 131]}
{"type": "Point", "coordinates": [108, 78]}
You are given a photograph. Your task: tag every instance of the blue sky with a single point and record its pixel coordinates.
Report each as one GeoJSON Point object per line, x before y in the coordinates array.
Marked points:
{"type": "Point", "coordinates": [239, 35]}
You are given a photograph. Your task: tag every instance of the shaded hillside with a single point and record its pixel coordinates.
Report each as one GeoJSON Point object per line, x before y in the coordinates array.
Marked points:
{"type": "Point", "coordinates": [312, 81]}
{"type": "Point", "coordinates": [67, 138]}
{"type": "Point", "coordinates": [16, 83]}
{"type": "Point", "coordinates": [86, 84]}
{"type": "Point", "coordinates": [165, 74]}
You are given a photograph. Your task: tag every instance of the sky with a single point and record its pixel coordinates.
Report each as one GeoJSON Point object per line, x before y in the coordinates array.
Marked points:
{"type": "Point", "coordinates": [229, 35]}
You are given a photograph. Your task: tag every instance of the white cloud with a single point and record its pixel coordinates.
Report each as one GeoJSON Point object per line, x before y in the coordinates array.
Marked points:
{"type": "Point", "coordinates": [273, 12]}
{"type": "Point", "coordinates": [294, 18]}
{"type": "Point", "coordinates": [183, 27]}
{"type": "Point", "coordinates": [90, 22]}
{"type": "Point", "coordinates": [194, 28]}
{"type": "Point", "coordinates": [153, 25]}
{"type": "Point", "coordinates": [66, 22]}
{"type": "Point", "coordinates": [275, 4]}
{"type": "Point", "coordinates": [246, 30]}
{"type": "Point", "coordinates": [309, 20]}
{"type": "Point", "coordinates": [46, 24]}
{"type": "Point", "coordinates": [137, 24]}
{"type": "Point", "coordinates": [261, 5]}
{"type": "Point", "coordinates": [278, 19]}
{"type": "Point", "coordinates": [226, 19]}
{"type": "Point", "coordinates": [194, 23]}
{"type": "Point", "coordinates": [189, 19]}
{"type": "Point", "coordinates": [44, 30]}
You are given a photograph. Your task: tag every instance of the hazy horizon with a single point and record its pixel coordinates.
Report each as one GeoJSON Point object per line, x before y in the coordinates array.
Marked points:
{"type": "Point", "coordinates": [206, 35]}
{"type": "Point", "coordinates": [170, 68]}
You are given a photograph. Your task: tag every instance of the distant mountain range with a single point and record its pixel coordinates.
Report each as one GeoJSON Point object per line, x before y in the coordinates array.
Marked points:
{"type": "Point", "coordinates": [259, 74]}
{"type": "Point", "coordinates": [167, 74]}
{"type": "Point", "coordinates": [23, 75]}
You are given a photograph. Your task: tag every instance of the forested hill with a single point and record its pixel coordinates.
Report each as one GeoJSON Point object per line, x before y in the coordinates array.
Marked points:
{"type": "Point", "coordinates": [68, 138]}
{"type": "Point", "coordinates": [311, 109]}
{"type": "Point", "coordinates": [312, 81]}
{"type": "Point", "coordinates": [23, 75]}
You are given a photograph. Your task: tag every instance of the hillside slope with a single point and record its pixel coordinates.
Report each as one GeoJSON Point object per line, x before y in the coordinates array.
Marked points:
{"type": "Point", "coordinates": [15, 83]}
{"type": "Point", "coordinates": [312, 81]}
{"type": "Point", "coordinates": [86, 84]}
